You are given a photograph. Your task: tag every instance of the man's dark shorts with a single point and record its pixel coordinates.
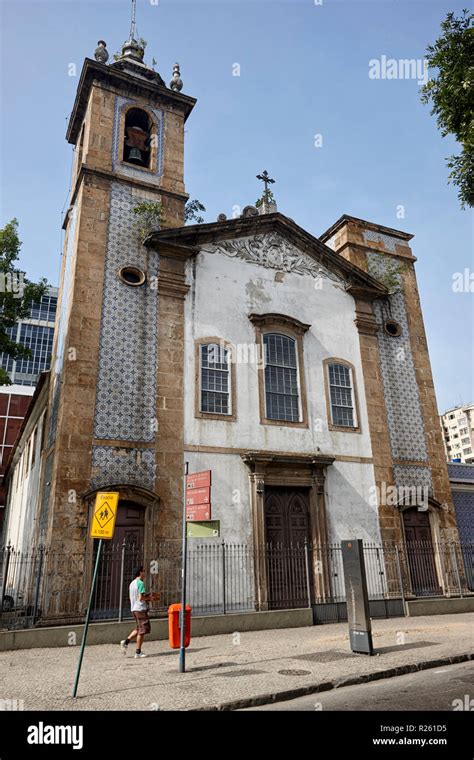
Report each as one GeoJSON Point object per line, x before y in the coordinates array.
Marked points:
{"type": "Point", "coordinates": [143, 622]}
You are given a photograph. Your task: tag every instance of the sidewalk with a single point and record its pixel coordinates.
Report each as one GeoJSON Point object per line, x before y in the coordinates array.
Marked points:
{"type": "Point", "coordinates": [228, 671]}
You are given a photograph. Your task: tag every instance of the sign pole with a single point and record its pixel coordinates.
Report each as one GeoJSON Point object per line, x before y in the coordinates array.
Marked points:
{"type": "Point", "coordinates": [182, 650]}
{"type": "Point", "coordinates": [86, 626]}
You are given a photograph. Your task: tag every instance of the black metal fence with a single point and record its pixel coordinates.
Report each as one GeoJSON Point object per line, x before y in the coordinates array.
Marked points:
{"type": "Point", "coordinates": [52, 587]}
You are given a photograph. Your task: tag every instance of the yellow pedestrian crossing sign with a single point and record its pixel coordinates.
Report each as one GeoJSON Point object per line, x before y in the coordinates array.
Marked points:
{"type": "Point", "coordinates": [103, 517]}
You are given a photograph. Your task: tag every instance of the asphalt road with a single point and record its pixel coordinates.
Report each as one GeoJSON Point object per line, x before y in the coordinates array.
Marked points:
{"type": "Point", "coordinates": [427, 690]}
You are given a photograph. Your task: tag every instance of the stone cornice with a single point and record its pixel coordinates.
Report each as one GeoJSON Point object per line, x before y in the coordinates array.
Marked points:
{"type": "Point", "coordinates": [367, 225]}
{"type": "Point", "coordinates": [365, 293]}
{"type": "Point", "coordinates": [253, 458]}
{"type": "Point", "coordinates": [367, 248]}
{"type": "Point", "coordinates": [121, 444]}
{"type": "Point", "coordinates": [176, 251]}
{"type": "Point", "coordinates": [86, 171]}
{"type": "Point", "coordinates": [366, 325]}
{"type": "Point", "coordinates": [172, 285]}
{"type": "Point", "coordinates": [279, 319]}
{"type": "Point", "coordinates": [172, 279]}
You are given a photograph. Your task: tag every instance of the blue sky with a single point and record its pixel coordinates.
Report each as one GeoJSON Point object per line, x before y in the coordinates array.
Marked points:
{"type": "Point", "coordinates": [303, 71]}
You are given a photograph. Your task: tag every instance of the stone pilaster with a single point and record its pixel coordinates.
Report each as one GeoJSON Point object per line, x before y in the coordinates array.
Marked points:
{"type": "Point", "coordinates": [78, 378]}
{"type": "Point", "coordinates": [411, 450]}
{"type": "Point", "coordinates": [433, 434]}
{"type": "Point", "coordinates": [389, 520]}
{"type": "Point", "coordinates": [172, 289]}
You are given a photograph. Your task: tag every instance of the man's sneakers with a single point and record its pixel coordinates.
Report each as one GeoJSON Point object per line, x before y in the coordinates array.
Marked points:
{"type": "Point", "coordinates": [124, 646]}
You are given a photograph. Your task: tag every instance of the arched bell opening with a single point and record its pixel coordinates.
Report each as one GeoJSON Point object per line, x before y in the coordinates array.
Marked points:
{"type": "Point", "coordinates": [137, 137]}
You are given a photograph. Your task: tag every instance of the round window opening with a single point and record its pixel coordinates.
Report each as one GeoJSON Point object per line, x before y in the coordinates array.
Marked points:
{"type": "Point", "coordinates": [392, 328]}
{"type": "Point", "coordinates": [132, 276]}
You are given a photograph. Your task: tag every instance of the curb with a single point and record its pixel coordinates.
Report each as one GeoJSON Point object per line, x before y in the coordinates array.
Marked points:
{"type": "Point", "coordinates": [303, 691]}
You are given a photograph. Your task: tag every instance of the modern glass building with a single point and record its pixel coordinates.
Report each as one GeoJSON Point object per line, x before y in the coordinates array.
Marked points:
{"type": "Point", "coordinates": [36, 333]}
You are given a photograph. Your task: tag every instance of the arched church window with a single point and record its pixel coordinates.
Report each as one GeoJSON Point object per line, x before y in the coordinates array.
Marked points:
{"type": "Point", "coordinates": [281, 378]}
{"type": "Point", "coordinates": [215, 380]}
{"type": "Point", "coordinates": [137, 135]}
{"type": "Point", "coordinates": [280, 369]}
{"type": "Point", "coordinates": [341, 395]}
{"type": "Point", "coordinates": [215, 376]}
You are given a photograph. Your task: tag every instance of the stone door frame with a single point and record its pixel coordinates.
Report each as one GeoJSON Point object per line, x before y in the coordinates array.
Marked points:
{"type": "Point", "coordinates": [434, 517]}
{"type": "Point", "coordinates": [139, 495]}
{"type": "Point", "coordinates": [289, 470]}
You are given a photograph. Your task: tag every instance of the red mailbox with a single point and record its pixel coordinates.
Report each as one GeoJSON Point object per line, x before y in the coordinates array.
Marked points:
{"type": "Point", "coordinates": [174, 612]}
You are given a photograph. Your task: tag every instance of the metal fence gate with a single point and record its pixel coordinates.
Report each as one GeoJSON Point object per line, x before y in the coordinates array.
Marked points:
{"type": "Point", "coordinates": [45, 587]}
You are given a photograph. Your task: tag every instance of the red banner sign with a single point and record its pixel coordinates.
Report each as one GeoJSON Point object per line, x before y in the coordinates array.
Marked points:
{"type": "Point", "coordinates": [198, 496]}
{"type": "Point", "coordinates": [198, 513]}
{"type": "Point", "coordinates": [198, 480]}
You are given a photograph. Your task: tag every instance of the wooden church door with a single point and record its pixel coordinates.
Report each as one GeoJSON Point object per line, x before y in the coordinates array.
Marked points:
{"type": "Point", "coordinates": [286, 527]}
{"type": "Point", "coordinates": [420, 552]}
{"type": "Point", "coordinates": [129, 526]}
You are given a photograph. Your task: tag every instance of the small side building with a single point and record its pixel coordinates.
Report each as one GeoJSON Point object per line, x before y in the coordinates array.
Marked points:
{"type": "Point", "coordinates": [461, 477]}
{"type": "Point", "coordinates": [24, 468]}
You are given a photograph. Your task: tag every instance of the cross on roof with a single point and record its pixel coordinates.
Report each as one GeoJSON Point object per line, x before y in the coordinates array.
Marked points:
{"type": "Point", "coordinates": [267, 180]}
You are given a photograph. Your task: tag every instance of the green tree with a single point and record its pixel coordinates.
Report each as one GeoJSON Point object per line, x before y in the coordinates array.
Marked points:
{"type": "Point", "coordinates": [451, 94]}
{"type": "Point", "coordinates": [16, 294]}
{"type": "Point", "coordinates": [192, 211]}
{"type": "Point", "coordinates": [149, 218]}
{"type": "Point", "coordinates": [269, 197]}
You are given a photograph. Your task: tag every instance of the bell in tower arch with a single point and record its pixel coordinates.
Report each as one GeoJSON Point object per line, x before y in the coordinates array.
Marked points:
{"type": "Point", "coordinates": [136, 143]}
{"type": "Point", "coordinates": [137, 138]}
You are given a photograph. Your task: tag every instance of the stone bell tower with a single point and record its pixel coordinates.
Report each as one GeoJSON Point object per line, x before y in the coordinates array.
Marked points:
{"type": "Point", "coordinates": [127, 127]}
{"type": "Point", "coordinates": [404, 424]}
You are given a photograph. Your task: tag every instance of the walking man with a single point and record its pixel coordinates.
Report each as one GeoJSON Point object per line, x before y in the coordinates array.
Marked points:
{"type": "Point", "coordinates": [139, 603]}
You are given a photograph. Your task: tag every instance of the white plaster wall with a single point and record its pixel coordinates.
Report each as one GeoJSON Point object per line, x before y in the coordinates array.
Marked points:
{"type": "Point", "coordinates": [224, 291]}
{"type": "Point", "coordinates": [350, 513]}
{"type": "Point", "coordinates": [230, 493]}
{"type": "Point", "coordinates": [23, 499]}
{"type": "Point", "coordinates": [350, 510]}
{"type": "Point", "coordinates": [231, 505]}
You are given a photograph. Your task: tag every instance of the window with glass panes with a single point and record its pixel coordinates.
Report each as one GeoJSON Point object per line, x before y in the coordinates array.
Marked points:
{"type": "Point", "coordinates": [340, 390]}
{"type": "Point", "coordinates": [281, 378]}
{"type": "Point", "coordinates": [38, 338]}
{"type": "Point", "coordinates": [215, 379]}
{"type": "Point", "coordinates": [45, 309]}
{"type": "Point", "coordinates": [40, 342]}
{"type": "Point", "coordinates": [6, 361]}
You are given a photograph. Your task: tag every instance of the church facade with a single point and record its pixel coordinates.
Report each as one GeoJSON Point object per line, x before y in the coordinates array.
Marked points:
{"type": "Point", "coordinates": [293, 367]}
